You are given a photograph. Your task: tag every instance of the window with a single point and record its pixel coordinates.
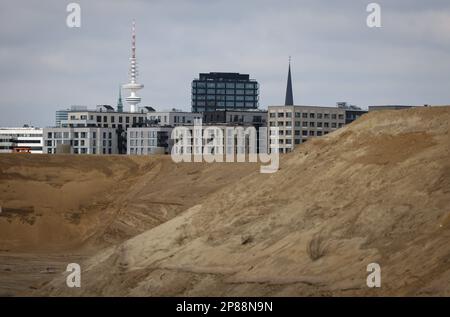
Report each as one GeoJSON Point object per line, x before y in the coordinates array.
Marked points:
{"type": "Point", "coordinates": [305, 124]}
{"type": "Point", "coordinates": [304, 115]}
{"type": "Point", "coordinates": [312, 115]}
{"type": "Point", "coordinates": [280, 114]}
{"type": "Point", "coordinates": [333, 116]}
{"type": "Point", "coordinates": [288, 114]}
{"type": "Point", "coordinates": [49, 135]}
{"type": "Point", "coordinates": [298, 114]}
{"type": "Point", "coordinates": [272, 115]}
{"type": "Point", "coordinates": [312, 124]}
{"type": "Point", "coordinates": [319, 116]}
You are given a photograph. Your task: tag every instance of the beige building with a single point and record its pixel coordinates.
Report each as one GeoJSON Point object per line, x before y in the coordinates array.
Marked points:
{"type": "Point", "coordinates": [299, 123]}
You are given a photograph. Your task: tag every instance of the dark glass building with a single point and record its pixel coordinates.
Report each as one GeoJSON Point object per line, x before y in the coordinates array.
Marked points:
{"type": "Point", "coordinates": [224, 91]}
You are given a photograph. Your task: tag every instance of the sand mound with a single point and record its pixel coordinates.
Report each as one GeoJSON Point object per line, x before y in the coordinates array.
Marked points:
{"type": "Point", "coordinates": [60, 203]}
{"type": "Point", "coordinates": [375, 191]}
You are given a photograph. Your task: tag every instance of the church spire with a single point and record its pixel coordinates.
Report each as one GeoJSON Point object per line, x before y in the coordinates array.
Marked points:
{"type": "Point", "coordinates": [289, 101]}
{"type": "Point", "coordinates": [119, 102]}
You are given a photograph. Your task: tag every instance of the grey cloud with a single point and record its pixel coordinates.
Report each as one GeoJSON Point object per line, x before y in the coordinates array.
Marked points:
{"type": "Point", "coordinates": [45, 66]}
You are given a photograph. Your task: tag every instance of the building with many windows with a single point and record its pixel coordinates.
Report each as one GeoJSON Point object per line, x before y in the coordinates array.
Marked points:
{"type": "Point", "coordinates": [230, 91]}
{"type": "Point", "coordinates": [104, 116]}
{"type": "Point", "coordinates": [173, 117]}
{"type": "Point", "coordinates": [297, 124]}
{"type": "Point", "coordinates": [253, 117]}
{"type": "Point", "coordinates": [26, 139]}
{"type": "Point", "coordinates": [149, 140]}
{"type": "Point", "coordinates": [351, 112]}
{"type": "Point", "coordinates": [80, 140]}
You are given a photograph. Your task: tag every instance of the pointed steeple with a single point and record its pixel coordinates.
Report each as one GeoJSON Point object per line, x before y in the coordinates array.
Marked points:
{"type": "Point", "coordinates": [289, 101]}
{"type": "Point", "coordinates": [119, 102]}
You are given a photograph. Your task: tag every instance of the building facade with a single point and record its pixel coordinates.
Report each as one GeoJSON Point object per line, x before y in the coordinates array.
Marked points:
{"type": "Point", "coordinates": [171, 118]}
{"type": "Point", "coordinates": [158, 140]}
{"type": "Point", "coordinates": [231, 91]}
{"type": "Point", "coordinates": [83, 140]}
{"type": "Point", "coordinates": [351, 112]}
{"type": "Point", "coordinates": [297, 124]}
{"type": "Point", "coordinates": [103, 117]}
{"type": "Point", "coordinates": [256, 118]}
{"type": "Point", "coordinates": [149, 140]}
{"type": "Point", "coordinates": [26, 139]}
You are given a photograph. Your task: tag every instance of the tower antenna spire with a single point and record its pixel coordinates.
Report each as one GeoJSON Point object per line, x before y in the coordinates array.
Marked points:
{"type": "Point", "coordinates": [133, 86]}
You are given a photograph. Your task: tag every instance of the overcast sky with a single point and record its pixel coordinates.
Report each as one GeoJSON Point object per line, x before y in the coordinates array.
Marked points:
{"type": "Point", "coordinates": [45, 66]}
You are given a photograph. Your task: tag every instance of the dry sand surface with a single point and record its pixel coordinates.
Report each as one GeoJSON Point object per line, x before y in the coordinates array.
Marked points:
{"type": "Point", "coordinates": [377, 190]}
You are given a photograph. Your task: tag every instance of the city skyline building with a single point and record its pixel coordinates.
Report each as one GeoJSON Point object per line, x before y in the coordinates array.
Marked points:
{"type": "Point", "coordinates": [25, 139]}
{"type": "Point", "coordinates": [133, 100]}
{"type": "Point", "coordinates": [224, 91]}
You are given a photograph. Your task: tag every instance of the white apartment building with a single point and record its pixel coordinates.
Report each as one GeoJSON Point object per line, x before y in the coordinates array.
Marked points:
{"type": "Point", "coordinates": [26, 139]}
{"type": "Point", "coordinates": [81, 140]}
{"type": "Point", "coordinates": [172, 118]}
{"type": "Point", "coordinates": [157, 140]}
{"type": "Point", "coordinates": [150, 140]}
{"type": "Point", "coordinates": [299, 123]}
{"type": "Point", "coordinates": [103, 117]}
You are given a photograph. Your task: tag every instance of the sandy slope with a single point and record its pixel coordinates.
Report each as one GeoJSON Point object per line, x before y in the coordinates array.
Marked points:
{"type": "Point", "coordinates": [59, 209]}
{"type": "Point", "coordinates": [375, 191]}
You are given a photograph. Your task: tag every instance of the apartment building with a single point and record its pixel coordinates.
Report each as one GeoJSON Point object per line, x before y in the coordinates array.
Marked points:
{"type": "Point", "coordinates": [157, 140]}
{"type": "Point", "coordinates": [173, 117]}
{"type": "Point", "coordinates": [297, 124]}
{"type": "Point", "coordinates": [104, 117]}
{"type": "Point", "coordinates": [83, 140]}
{"type": "Point", "coordinates": [25, 139]}
{"type": "Point", "coordinates": [235, 117]}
